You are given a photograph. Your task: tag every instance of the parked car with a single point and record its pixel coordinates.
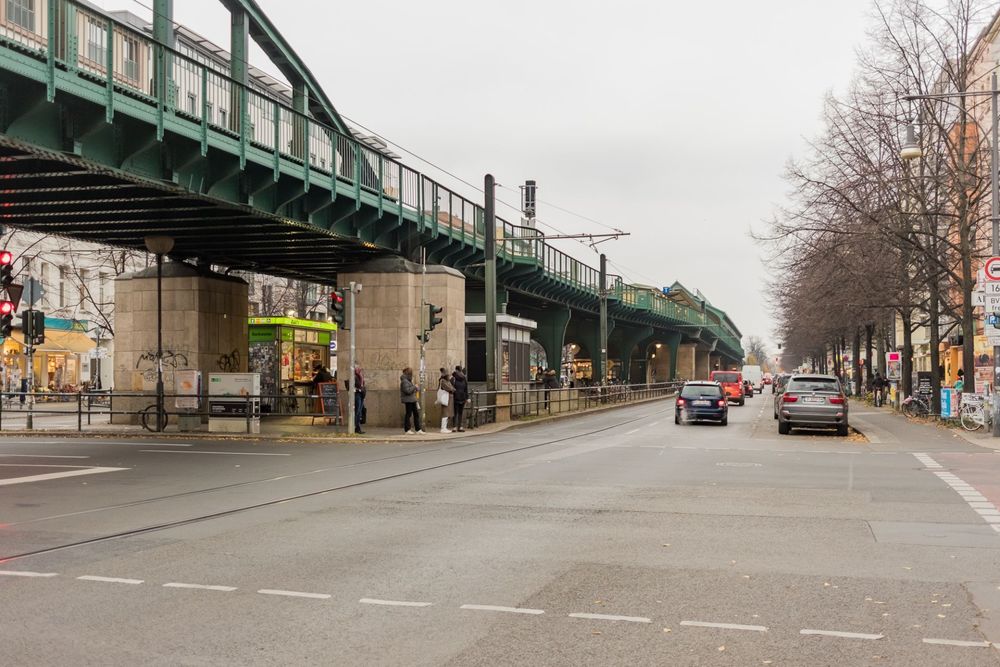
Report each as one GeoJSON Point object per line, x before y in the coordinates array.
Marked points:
{"type": "Point", "coordinates": [778, 383]}
{"type": "Point", "coordinates": [767, 378]}
{"type": "Point", "coordinates": [755, 375]}
{"type": "Point", "coordinates": [732, 384]}
{"type": "Point", "coordinates": [812, 401]}
{"type": "Point", "coordinates": [702, 401]}
{"type": "Point", "coordinates": [748, 389]}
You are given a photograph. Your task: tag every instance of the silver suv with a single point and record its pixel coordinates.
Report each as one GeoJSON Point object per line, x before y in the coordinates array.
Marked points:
{"type": "Point", "coordinates": [812, 401]}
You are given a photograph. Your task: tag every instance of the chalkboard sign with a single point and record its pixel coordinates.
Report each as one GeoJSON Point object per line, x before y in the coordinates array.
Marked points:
{"type": "Point", "coordinates": [329, 401]}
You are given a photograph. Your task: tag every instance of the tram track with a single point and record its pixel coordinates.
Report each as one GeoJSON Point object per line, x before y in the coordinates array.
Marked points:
{"type": "Point", "coordinates": [210, 516]}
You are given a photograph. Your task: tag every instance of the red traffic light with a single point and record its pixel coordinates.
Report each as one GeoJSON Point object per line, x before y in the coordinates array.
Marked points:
{"type": "Point", "coordinates": [333, 295]}
{"type": "Point", "coordinates": [6, 307]}
{"type": "Point", "coordinates": [6, 257]}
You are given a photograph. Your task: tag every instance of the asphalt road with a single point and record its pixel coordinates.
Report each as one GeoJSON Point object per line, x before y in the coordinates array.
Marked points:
{"type": "Point", "coordinates": [612, 539]}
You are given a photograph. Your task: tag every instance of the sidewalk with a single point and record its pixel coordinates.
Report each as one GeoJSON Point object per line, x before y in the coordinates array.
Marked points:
{"type": "Point", "coordinates": [886, 428]}
{"type": "Point", "coordinates": [299, 429]}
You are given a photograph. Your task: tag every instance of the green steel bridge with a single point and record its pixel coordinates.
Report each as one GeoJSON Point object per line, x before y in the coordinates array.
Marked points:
{"type": "Point", "coordinates": [109, 132]}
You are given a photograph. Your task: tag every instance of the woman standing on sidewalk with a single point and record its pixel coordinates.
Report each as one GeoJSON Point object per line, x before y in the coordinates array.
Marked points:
{"type": "Point", "coordinates": [446, 399]}
{"type": "Point", "coordinates": [461, 395]}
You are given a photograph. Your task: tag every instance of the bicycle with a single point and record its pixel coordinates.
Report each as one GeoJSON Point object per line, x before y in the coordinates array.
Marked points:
{"type": "Point", "coordinates": [914, 406]}
{"type": "Point", "coordinates": [158, 418]}
{"type": "Point", "coordinates": [974, 416]}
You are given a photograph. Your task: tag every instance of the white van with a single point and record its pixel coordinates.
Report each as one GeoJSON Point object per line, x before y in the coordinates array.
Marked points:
{"type": "Point", "coordinates": [756, 377]}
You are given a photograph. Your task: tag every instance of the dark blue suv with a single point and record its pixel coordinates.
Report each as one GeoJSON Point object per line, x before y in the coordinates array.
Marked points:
{"type": "Point", "coordinates": [702, 401]}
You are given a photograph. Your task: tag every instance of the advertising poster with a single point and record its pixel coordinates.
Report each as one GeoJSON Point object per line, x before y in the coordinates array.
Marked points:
{"type": "Point", "coordinates": [984, 362]}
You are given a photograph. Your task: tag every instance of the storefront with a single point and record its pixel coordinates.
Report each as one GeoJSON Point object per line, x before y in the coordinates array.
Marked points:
{"type": "Point", "coordinates": [286, 351]}
{"type": "Point", "coordinates": [60, 364]}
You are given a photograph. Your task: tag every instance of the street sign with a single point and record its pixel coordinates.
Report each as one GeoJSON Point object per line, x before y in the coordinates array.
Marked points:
{"type": "Point", "coordinates": [978, 298]}
{"type": "Point", "coordinates": [35, 291]}
{"type": "Point", "coordinates": [992, 303]}
{"type": "Point", "coordinates": [991, 269]}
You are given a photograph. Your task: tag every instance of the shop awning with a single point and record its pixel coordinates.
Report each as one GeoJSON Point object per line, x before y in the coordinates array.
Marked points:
{"type": "Point", "coordinates": [59, 341]}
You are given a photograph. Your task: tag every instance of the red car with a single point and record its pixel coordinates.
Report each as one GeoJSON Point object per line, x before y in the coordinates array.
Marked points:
{"type": "Point", "coordinates": [732, 384]}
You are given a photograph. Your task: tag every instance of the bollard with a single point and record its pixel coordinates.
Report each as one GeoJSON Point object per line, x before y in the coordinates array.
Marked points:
{"type": "Point", "coordinates": [248, 414]}
{"type": "Point", "coordinates": [79, 411]}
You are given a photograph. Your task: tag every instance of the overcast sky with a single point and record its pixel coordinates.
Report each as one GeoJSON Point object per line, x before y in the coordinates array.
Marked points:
{"type": "Point", "coordinates": [670, 120]}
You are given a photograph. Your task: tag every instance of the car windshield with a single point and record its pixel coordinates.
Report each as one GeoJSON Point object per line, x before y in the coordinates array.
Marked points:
{"type": "Point", "coordinates": [725, 377]}
{"type": "Point", "coordinates": [701, 391]}
{"type": "Point", "coordinates": [814, 384]}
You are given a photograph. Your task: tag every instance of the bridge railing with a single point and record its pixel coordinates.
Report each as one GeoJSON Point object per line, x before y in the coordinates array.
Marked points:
{"type": "Point", "coordinates": [258, 122]}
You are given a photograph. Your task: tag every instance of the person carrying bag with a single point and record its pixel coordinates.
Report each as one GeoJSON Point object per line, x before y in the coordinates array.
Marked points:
{"type": "Point", "coordinates": [444, 398]}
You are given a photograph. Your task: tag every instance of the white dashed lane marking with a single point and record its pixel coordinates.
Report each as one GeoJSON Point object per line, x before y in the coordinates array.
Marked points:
{"type": "Point", "coordinates": [394, 603]}
{"type": "Point", "coordinates": [294, 594]}
{"type": "Point", "coordinates": [42, 456]}
{"type": "Point", "coordinates": [224, 589]}
{"type": "Point", "coordinates": [611, 617]}
{"type": "Point", "coordinates": [25, 573]}
{"type": "Point", "coordinates": [110, 580]}
{"type": "Point", "coordinates": [78, 470]}
{"type": "Point", "coordinates": [838, 633]}
{"type": "Point", "coordinates": [635, 430]}
{"type": "Point", "coordinates": [509, 610]}
{"type": "Point", "coordinates": [195, 451]}
{"type": "Point", "coordinates": [724, 626]}
{"type": "Point", "coordinates": [957, 642]}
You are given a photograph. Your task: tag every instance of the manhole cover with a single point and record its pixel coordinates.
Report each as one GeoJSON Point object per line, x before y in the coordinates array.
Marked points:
{"type": "Point", "coordinates": [738, 464]}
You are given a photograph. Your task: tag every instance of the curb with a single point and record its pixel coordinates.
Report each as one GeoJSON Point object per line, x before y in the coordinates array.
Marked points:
{"type": "Point", "coordinates": [322, 439]}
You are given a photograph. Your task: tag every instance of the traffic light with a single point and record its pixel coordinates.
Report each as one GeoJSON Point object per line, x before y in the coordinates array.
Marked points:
{"type": "Point", "coordinates": [337, 308]}
{"type": "Point", "coordinates": [6, 318]}
{"type": "Point", "coordinates": [432, 319]}
{"type": "Point", "coordinates": [6, 268]}
{"type": "Point", "coordinates": [37, 327]}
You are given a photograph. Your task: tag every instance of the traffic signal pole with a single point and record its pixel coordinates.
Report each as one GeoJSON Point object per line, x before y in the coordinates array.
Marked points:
{"type": "Point", "coordinates": [351, 388]}
{"type": "Point", "coordinates": [29, 338]}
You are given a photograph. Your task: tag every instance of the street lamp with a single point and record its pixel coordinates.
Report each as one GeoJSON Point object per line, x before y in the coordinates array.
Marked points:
{"type": "Point", "coordinates": [159, 246]}
{"type": "Point", "coordinates": [911, 150]}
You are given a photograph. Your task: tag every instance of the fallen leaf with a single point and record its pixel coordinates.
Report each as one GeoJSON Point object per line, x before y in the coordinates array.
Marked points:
{"type": "Point", "coordinates": [595, 632]}
{"type": "Point", "coordinates": [666, 545]}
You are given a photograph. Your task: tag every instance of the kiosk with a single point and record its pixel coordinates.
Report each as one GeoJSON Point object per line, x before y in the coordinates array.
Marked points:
{"type": "Point", "coordinates": [285, 351]}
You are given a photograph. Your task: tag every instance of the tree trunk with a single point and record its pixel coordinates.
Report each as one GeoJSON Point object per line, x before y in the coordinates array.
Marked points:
{"type": "Point", "coordinates": [857, 361]}
{"type": "Point", "coordinates": [935, 343]}
{"type": "Point", "coordinates": [907, 380]}
{"type": "Point", "coordinates": [869, 331]}
{"type": "Point", "coordinates": [968, 342]}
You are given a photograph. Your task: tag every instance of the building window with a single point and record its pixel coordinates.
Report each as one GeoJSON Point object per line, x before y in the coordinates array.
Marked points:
{"type": "Point", "coordinates": [22, 13]}
{"type": "Point", "coordinates": [208, 112]}
{"type": "Point", "coordinates": [223, 117]}
{"type": "Point", "coordinates": [101, 286]}
{"type": "Point", "coordinates": [62, 286]}
{"type": "Point", "coordinates": [130, 58]}
{"type": "Point", "coordinates": [96, 46]}
{"type": "Point", "coordinates": [192, 104]}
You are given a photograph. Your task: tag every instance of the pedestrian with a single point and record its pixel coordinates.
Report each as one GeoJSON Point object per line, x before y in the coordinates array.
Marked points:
{"type": "Point", "coordinates": [960, 384]}
{"type": "Point", "coordinates": [877, 385]}
{"type": "Point", "coordinates": [549, 383]}
{"type": "Point", "coordinates": [461, 384]}
{"type": "Point", "coordinates": [320, 374]}
{"type": "Point", "coordinates": [409, 395]}
{"type": "Point", "coordinates": [360, 390]}
{"type": "Point", "coordinates": [445, 398]}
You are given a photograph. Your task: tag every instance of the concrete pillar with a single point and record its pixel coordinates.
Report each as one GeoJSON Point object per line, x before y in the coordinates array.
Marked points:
{"type": "Point", "coordinates": [659, 366]}
{"type": "Point", "coordinates": [204, 327]}
{"type": "Point", "coordinates": [387, 321]}
{"type": "Point", "coordinates": [701, 364]}
{"type": "Point", "coordinates": [551, 334]}
{"type": "Point", "coordinates": [685, 368]}
{"type": "Point", "coordinates": [621, 346]}
{"type": "Point", "coordinates": [715, 362]}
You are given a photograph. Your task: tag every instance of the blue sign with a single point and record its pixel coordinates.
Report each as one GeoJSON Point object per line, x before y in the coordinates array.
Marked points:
{"type": "Point", "coordinates": [992, 318]}
{"type": "Point", "coordinates": [666, 290]}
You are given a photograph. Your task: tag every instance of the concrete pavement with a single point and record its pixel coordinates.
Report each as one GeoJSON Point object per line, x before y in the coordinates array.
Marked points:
{"type": "Point", "coordinates": [613, 538]}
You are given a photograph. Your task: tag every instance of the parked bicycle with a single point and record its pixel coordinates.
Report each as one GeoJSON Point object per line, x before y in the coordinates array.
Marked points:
{"type": "Point", "coordinates": [914, 406]}
{"type": "Point", "coordinates": [976, 414]}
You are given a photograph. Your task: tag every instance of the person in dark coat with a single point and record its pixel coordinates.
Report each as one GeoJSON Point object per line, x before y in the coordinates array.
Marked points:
{"type": "Point", "coordinates": [321, 375]}
{"type": "Point", "coordinates": [461, 395]}
{"type": "Point", "coordinates": [409, 396]}
{"type": "Point", "coordinates": [550, 381]}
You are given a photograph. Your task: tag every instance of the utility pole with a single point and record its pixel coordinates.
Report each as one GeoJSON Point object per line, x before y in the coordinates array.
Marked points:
{"type": "Point", "coordinates": [995, 219]}
{"type": "Point", "coordinates": [29, 338]}
{"type": "Point", "coordinates": [422, 372]}
{"type": "Point", "coordinates": [604, 319]}
{"type": "Point", "coordinates": [490, 249]}
{"type": "Point", "coordinates": [354, 288]}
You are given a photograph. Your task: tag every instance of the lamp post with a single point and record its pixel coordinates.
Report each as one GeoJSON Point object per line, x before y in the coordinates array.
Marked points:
{"type": "Point", "coordinates": [159, 246]}
{"type": "Point", "coordinates": [911, 151]}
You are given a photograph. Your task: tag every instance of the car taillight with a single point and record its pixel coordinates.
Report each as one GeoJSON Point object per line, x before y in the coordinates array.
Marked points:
{"type": "Point", "coordinates": [680, 401]}
{"type": "Point", "coordinates": [722, 404]}
{"type": "Point", "coordinates": [837, 400]}
{"type": "Point", "coordinates": [789, 399]}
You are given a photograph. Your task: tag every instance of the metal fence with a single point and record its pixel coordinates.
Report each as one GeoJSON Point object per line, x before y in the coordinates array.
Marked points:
{"type": "Point", "coordinates": [486, 407]}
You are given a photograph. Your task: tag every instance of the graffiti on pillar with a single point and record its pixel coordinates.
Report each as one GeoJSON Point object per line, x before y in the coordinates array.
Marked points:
{"type": "Point", "coordinates": [171, 359]}
{"type": "Point", "coordinates": [229, 363]}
